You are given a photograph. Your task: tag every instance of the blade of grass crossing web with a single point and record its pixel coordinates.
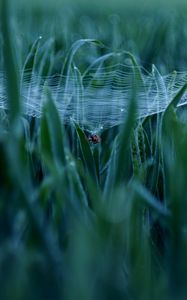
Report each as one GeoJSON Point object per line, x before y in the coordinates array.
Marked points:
{"type": "Point", "coordinates": [68, 62]}
{"type": "Point", "coordinates": [98, 62]}
{"type": "Point", "coordinates": [122, 166]}
{"type": "Point", "coordinates": [31, 57]}
{"type": "Point", "coordinates": [79, 96]}
{"type": "Point", "coordinates": [169, 120]}
{"type": "Point", "coordinates": [173, 104]}
{"type": "Point", "coordinates": [55, 129]}
{"type": "Point", "coordinates": [156, 136]}
{"type": "Point", "coordinates": [123, 157]}
{"type": "Point", "coordinates": [119, 164]}
{"type": "Point", "coordinates": [75, 47]}
{"type": "Point", "coordinates": [31, 66]}
{"type": "Point", "coordinates": [138, 74]}
{"type": "Point", "coordinates": [45, 60]}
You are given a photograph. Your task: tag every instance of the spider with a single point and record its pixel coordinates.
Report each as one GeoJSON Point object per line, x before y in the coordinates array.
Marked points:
{"type": "Point", "coordinates": [94, 139]}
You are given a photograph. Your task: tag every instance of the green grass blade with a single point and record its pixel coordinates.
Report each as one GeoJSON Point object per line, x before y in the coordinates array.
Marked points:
{"type": "Point", "coordinates": [14, 103]}
{"type": "Point", "coordinates": [123, 158]}
{"type": "Point", "coordinates": [87, 153]}
{"type": "Point", "coordinates": [152, 202]}
{"type": "Point", "coordinates": [55, 129]}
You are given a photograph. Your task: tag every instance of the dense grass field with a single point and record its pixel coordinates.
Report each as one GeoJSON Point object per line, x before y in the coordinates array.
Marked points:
{"type": "Point", "coordinates": [78, 219]}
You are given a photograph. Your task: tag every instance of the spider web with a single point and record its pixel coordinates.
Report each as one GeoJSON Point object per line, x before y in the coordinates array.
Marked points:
{"type": "Point", "coordinates": [100, 97]}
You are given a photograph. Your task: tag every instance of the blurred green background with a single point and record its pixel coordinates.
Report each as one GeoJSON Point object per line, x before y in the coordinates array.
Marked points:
{"type": "Point", "coordinates": [154, 31]}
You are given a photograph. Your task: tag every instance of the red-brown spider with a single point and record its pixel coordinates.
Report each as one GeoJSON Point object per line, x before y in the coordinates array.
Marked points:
{"type": "Point", "coordinates": [94, 139]}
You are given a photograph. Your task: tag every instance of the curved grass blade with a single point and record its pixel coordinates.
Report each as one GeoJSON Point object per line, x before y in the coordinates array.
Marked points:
{"type": "Point", "coordinates": [67, 66]}
{"type": "Point", "coordinates": [75, 47]}
{"type": "Point", "coordinates": [138, 74]}
{"type": "Point", "coordinates": [170, 110]}
{"type": "Point", "coordinates": [31, 58]}
{"type": "Point", "coordinates": [173, 104]}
